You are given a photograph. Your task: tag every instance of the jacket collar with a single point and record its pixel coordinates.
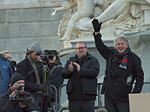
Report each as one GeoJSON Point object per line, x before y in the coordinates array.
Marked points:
{"type": "Point", "coordinates": [88, 56]}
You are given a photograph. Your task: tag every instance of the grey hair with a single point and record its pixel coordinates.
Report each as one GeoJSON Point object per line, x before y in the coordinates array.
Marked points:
{"type": "Point", "coordinates": [121, 38]}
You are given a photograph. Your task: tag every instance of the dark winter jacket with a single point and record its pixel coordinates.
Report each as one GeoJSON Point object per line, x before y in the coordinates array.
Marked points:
{"type": "Point", "coordinates": [25, 68]}
{"type": "Point", "coordinates": [115, 81]}
{"type": "Point", "coordinates": [7, 105]}
{"type": "Point", "coordinates": [55, 77]}
{"type": "Point", "coordinates": [82, 85]}
{"type": "Point", "coordinates": [6, 72]}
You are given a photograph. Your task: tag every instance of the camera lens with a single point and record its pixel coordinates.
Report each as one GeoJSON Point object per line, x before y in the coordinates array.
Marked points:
{"type": "Point", "coordinates": [50, 57]}
{"type": "Point", "coordinates": [21, 96]}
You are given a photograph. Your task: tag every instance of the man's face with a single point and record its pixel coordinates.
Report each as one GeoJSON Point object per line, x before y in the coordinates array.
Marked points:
{"type": "Point", "coordinates": [20, 82]}
{"type": "Point", "coordinates": [35, 56]}
{"type": "Point", "coordinates": [121, 46]}
{"type": "Point", "coordinates": [8, 56]}
{"type": "Point", "coordinates": [81, 50]}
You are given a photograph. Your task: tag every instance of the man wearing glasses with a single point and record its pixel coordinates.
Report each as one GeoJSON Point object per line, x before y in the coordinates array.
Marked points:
{"type": "Point", "coordinates": [82, 71]}
{"type": "Point", "coordinates": [31, 69]}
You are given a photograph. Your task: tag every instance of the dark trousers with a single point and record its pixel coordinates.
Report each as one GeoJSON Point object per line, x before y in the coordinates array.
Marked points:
{"type": "Point", "coordinates": [81, 106]}
{"type": "Point", "coordinates": [115, 106]}
{"type": "Point", "coordinates": [39, 100]}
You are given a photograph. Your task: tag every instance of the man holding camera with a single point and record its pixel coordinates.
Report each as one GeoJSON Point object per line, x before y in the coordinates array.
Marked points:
{"type": "Point", "coordinates": [31, 69]}
{"type": "Point", "coordinates": [55, 76]}
{"type": "Point", "coordinates": [82, 71]}
{"type": "Point", "coordinates": [16, 99]}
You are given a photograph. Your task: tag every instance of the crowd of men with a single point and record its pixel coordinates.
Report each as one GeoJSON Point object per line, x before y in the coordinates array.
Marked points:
{"type": "Point", "coordinates": [30, 72]}
{"type": "Point", "coordinates": [27, 86]}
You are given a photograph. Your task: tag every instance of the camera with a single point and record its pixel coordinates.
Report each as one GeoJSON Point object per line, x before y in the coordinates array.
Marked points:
{"type": "Point", "coordinates": [50, 57]}
{"type": "Point", "coordinates": [46, 56]}
{"type": "Point", "coordinates": [44, 59]}
{"type": "Point", "coordinates": [20, 95]}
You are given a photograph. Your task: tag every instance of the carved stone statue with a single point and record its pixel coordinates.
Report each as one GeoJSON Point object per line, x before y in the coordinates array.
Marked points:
{"type": "Point", "coordinates": [118, 17]}
{"type": "Point", "coordinates": [85, 8]}
{"type": "Point", "coordinates": [123, 15]}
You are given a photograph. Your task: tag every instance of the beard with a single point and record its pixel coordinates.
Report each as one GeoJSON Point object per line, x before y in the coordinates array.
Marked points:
{"type": "Point", "coordinates": [81, 55]}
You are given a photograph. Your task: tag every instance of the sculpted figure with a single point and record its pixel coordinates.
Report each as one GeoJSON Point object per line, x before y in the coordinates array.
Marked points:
{"type": "Point", "coordinates": [85, 8]}
{"type": "Point", "coordinates": [103, 4]}
{"type": "Point", "coordinates": [120, 9]}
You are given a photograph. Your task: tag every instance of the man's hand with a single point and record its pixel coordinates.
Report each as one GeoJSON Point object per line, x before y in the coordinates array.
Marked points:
{"type": "Point", "coordinates": [78, 66]}
{"type": "Point", "coordinates": [96, 25]}
{"type": "Point", "coordinates": [70, 67]}
{"type": "Point", "coordinates": [55, 11]}
{"type": "Point", "coordinates": [22, 105]}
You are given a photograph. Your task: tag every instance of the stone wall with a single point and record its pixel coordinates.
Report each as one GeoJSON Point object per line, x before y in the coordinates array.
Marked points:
{"type": "Point", "coordinates": [24, 21]}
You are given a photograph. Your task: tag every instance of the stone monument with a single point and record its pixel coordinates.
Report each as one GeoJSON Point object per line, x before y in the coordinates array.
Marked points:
{"type": "Point", "coordinates": [120, 17]}
{"type": "Point", "coordinates": [130, 18]}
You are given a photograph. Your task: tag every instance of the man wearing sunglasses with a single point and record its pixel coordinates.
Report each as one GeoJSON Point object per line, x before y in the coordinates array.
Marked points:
{"type": "Point", "coordinates": [31, 69]}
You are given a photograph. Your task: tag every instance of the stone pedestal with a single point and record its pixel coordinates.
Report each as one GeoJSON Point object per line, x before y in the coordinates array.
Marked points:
{"type": "Point", "coordinates": [89, 39]}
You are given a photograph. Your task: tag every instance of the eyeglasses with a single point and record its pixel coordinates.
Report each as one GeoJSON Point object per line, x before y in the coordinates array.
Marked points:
{"type": "Point", "coordinates": [80, 47]}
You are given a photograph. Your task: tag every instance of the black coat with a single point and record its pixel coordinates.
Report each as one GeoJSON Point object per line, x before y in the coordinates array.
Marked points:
{"type": "Point", "coordinates": [115, 81]}
{"type": "Point", "coordinates": [7, 105]}
{"type": "Point", "coordinates": [55, 77]}
{"type": "Point", "coordinates": [86, 77]}
{"type": "Point", "coordinates": [25, 68]}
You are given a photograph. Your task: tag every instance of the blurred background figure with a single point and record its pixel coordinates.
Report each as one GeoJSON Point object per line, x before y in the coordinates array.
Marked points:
{"type": "Point", "coordinates": [6, 72]}
{"type": "Point", "coordinates": [14, 65]}
{"type": "Point", "coordinates": [8, 56]}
